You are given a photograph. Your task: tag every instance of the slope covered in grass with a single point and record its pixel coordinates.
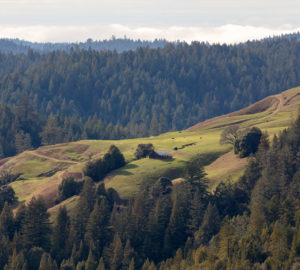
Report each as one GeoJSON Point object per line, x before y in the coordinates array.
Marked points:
{"type": "Point", "coordinates": [42, 170]}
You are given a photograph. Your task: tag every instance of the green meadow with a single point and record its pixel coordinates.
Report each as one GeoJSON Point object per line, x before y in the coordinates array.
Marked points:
{"type": "Point", "coordinates": [42, 170]}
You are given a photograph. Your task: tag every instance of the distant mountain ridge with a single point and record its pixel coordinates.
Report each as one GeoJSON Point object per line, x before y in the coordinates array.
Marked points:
{"type": "Point", "coordinates": [17, 46]}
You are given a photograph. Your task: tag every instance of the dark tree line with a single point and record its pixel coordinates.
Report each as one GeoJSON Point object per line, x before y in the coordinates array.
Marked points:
{"type": "Point", "coordinates": [23, 128]}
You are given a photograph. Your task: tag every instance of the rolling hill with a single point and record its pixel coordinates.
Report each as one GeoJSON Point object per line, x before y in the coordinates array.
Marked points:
{"type": "Point", "coordinates": [42, 170]}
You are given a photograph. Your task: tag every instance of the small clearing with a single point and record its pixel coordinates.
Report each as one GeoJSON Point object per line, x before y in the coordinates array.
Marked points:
{"type": "Point", "coordinates": [226, 166]}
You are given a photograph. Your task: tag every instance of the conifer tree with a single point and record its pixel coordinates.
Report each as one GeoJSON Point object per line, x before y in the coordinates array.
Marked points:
{"type": "Point", "coordinates": [127, 256]}
{"type": "Point", "coordinates": [295, 250]}
{"type": "Point", "coordinates": [117, 253]}
{"type": "Point", "coordinates": [196, 212]}
{"type": "Point", "coordinates": [60, 234]}
{"type": "Point", "coordinates": [152, 266]}
{"type": "Point", "coordinates": [146, 264]}
{"type": "Point", "coordinates": [82, 212]}
{"type": "Point", "coordinates": [158, 222]}
{"type": "Point", "coordinates": [101, 265]}
{"type": "Point", "coordinates": [279, 245]}
{"type": "Point", "coordinates": [131, 265]}
{"type": "Point", "coordinates": [7, 222]}
{"type": "Point", "coordinates": [226, 244]}
{"type": "Point", "coordinates": [263, 147]}
{"type": "Point", "coordinates": [154, 126]}
{"type": "Point", "coordinates": [136, 225]}
{"type": "Point", "coordinates": [51, 133]}
{"type": "Point", "coordinates": [4, 252]}
{"type": "Point", "coordinates": [90, 263]}
{"type": "Point", "coordinates": [37, 225]}
{"type": "Point", "coordinates": [20, 217]}
{"type": "Point", "coordinates": [67, 265]}
{"type": "Point", "coordinates": [177, 259]}
{"type": "Point", "coordinates": [97, 226]}
{"type": "Point", "coordinates": [80, 265]}
{"type": "Point", "coordinates": [177, 228]}
{"type": "Point", "coordinates": [33, 257]}
{"type": "Point", "coordinates": [16, 261]}
{"type": "Point", "coordinates": [47, 263]}
{"type": "Point", "coordinates": [209, 226]}
{"type": "Point", "coordinates": [22, 141]}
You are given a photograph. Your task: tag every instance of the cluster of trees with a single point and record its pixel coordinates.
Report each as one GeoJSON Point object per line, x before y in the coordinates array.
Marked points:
{"type": "Point", "coordinates": [94, 170]}
{"type": "Point", "coordinates": [7, 195]}
{"type": "Point", "coordinates": [112, 160]}
{"type": "Point", "coordinates": [68, 188]}
{"type": "Point", "coordinates": [143, 150]}
{"type": "Point", "coordinates": [251, 224]}
{"type": "Point", "coordinates": [150, 91]}
{"type": "Point", "coordinates": [244, 142]}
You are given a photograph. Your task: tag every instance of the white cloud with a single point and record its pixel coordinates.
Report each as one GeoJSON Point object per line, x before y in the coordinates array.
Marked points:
{"type": "Point", "coordinates": [228, 33]}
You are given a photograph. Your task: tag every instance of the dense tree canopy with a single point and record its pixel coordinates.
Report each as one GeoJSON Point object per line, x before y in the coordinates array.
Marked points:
{"type": "Point", "coordinates": [148, 91]}
{"type": "Point", "coordinates": [64, 96]}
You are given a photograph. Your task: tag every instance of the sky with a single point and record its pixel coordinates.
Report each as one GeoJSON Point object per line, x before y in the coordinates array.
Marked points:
{"type": "Point", "coordinates": [214, 21]}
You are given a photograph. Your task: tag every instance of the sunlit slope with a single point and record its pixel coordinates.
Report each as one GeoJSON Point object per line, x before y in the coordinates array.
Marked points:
{"type": "Point", "coordinates": [43, 169]}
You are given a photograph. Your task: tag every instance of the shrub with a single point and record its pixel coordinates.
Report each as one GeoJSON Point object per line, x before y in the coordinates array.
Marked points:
{"type": "Point", "coordinates": [68, 188]}
{"type": "Point", "coordinates": [143, 150]}
{"type": "Point", "coordinates": [249, 143]}
{"type": "Point", "coordinates": [112, 160]}
{"type": "Point", "coordinates": [7, 194]}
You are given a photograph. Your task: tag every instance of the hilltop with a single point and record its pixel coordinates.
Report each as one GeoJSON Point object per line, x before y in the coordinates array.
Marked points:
{"type": "Point", "coordinates": [42, 170]}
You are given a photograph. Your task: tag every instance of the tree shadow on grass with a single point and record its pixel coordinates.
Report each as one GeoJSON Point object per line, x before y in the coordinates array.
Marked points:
{"type": "Point", "coordinates": [166, 159]}
{"type": "Point", "coordinates": [130, 166]}
{"type": "Point", "coordinates": [124, 170]}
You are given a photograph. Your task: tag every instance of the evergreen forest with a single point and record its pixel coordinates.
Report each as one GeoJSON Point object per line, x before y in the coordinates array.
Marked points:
{"type": "Point", "coordinates": [87, 93]}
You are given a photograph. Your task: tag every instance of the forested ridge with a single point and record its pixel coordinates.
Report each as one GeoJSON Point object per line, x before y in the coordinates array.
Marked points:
{"type": "Point", "coordinates": [250, 224]}
{"type": "Point", "coordinates": [138, 93]}
{"type": "Point", "coordinates": [178, 85]}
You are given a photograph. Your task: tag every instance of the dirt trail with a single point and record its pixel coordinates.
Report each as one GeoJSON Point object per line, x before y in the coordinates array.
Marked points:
{"type": "Point", "coordinates": [280, 97]}
{"type": "Point", "coordinates": [279, 105]}
{"type": "Point", "coordinates": [257, 107]}
{"type": "Point", "coordinates": [51, 158]}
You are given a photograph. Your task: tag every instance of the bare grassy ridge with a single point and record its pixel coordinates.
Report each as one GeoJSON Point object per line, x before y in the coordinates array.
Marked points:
{"type": "Point", "coordinates": [43, 169]}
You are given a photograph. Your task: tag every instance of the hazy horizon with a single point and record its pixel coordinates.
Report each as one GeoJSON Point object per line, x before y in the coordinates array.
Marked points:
{"type": "Point", "coordinates": [220, 34]}
{"type": "Point", "coordinates": [215, 21]}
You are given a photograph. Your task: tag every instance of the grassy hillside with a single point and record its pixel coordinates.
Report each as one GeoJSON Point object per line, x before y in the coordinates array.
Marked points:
{"type": "Point", "coordinates": [43, 169]}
